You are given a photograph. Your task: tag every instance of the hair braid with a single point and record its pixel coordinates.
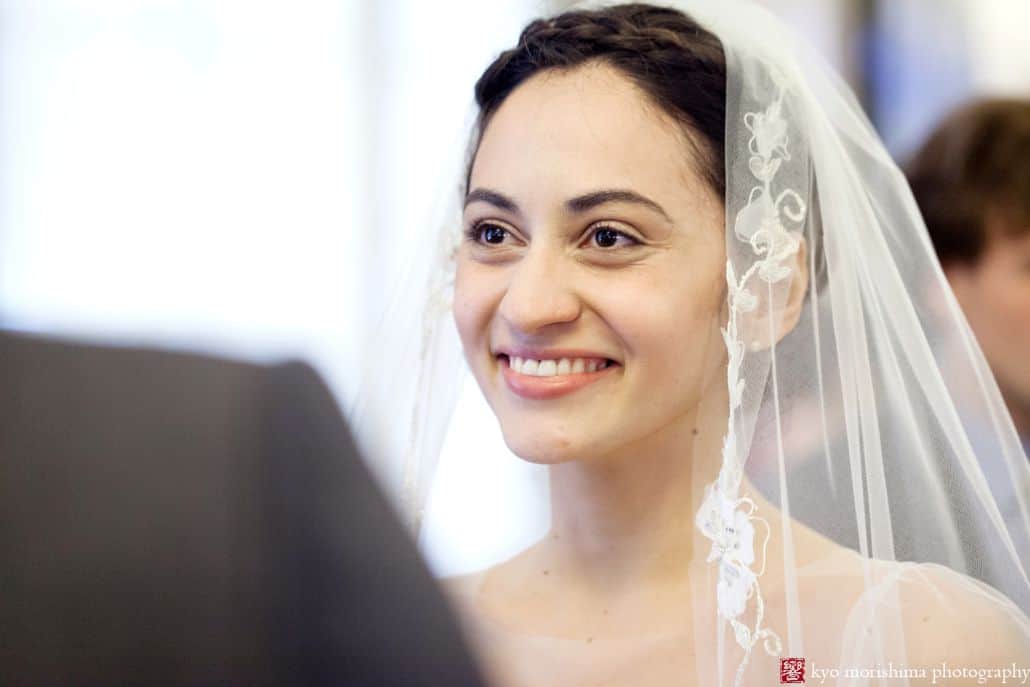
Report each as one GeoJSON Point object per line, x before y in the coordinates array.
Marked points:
{"type": "Point", "coordinates": [679, 65]}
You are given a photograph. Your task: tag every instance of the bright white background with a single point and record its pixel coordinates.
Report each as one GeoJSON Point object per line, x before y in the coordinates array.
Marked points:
{"type": "Point", "coordinates": [224, 176]}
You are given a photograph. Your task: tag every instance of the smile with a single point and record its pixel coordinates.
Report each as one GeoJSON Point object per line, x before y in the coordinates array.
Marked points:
{"type": "Point", "coordinates": [552, 368]}
{"type": "Point", "coordinates": [543, 379]}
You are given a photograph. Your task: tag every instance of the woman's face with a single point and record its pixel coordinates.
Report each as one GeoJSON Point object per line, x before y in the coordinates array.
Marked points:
{"type": "Point", "coordinates": [591, 244]}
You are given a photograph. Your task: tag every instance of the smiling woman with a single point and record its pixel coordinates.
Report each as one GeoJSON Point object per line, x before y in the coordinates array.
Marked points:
{"type": "Point", "coordinates": [557, 265]}
{"type": "Point", "coordinates": [695, 294]}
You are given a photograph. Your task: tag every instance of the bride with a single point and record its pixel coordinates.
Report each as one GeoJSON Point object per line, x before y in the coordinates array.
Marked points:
{"type": "Point", "coordinates": [693, 288]}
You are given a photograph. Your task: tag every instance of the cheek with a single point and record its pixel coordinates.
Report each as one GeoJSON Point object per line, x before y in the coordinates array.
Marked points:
{"type": "Point", "coordinates": [474, 300]}
{"type": "Point", "coordinates": [674, 339]}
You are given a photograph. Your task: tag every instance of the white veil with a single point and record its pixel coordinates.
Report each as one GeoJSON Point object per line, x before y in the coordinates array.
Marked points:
{"type": "Point", "coordinates": [867, 425]}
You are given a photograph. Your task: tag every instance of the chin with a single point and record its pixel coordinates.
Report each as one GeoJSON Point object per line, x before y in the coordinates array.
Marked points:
{"type": "Point", "coordinates": [542, 447]}
{"type": "Point", "coordinates": [538, 448]}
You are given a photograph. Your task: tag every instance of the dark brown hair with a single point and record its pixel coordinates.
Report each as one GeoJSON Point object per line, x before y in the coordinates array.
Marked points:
{"type": "Point", "coordinates": [973, 176]}
{"type": "Point", "coordinates": [680, 66]}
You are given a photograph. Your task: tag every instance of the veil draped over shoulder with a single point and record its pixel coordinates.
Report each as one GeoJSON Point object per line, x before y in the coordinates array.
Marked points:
{"type": "Point", "coordinates": [852, 522]}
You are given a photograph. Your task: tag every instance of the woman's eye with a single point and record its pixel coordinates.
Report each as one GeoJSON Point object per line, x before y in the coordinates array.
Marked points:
{"type": "Point", "coordinates": [495, 235]}
{"type": "Point", "coordinates": [492, 233]}
{"type": "Point", "coordinates": [606, 237]}
{"type": "Point", "coordinates": [486, 233]}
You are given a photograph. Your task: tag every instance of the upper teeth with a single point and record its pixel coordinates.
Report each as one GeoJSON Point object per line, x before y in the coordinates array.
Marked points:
{"type": "Point", "coordinates": [562, 366]}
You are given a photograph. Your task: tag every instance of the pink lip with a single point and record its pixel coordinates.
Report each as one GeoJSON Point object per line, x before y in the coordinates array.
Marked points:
{"type": "Point", "coordinates": [539, 388]}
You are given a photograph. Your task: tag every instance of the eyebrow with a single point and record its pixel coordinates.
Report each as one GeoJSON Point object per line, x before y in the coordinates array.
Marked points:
{"type": "Point", "coordinates": [576, 205]}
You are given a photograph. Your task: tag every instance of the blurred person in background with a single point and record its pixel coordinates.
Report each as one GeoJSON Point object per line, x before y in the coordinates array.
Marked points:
{"type": "Point", "coordinates": [971, 179]}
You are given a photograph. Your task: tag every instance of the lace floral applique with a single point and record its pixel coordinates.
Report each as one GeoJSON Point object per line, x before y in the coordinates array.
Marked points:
{"type": "Point", "coordinates": [725, 519]}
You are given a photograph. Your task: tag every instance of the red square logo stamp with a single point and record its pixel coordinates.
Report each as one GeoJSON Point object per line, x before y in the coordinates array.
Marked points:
{"type": "Point", "coordinates": [792, 670]}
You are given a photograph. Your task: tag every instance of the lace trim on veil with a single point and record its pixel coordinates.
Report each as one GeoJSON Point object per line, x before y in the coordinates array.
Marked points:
{"type": "Point", "coordinates": [724, 518]}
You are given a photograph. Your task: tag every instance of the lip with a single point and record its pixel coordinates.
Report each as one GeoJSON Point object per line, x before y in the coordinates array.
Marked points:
{"type": "Point", "coordinates": [540, 388]}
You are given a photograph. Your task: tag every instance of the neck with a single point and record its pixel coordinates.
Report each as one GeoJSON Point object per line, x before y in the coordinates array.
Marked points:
{"type": "Point", "coordinates": [625, 519]}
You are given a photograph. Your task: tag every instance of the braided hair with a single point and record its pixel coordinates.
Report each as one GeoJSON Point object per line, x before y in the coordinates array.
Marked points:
{"type": "Point", "coordinates": [680, 66]}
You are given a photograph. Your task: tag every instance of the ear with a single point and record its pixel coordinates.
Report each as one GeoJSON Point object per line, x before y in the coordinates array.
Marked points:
{"type": "Point", "coordinates": [754, 326]}
{"type": "Point", "coordinates": [791, 312]}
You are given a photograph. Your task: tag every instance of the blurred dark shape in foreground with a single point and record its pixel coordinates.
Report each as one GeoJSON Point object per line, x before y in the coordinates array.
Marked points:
{"type": "Point", "coordinates": [168, 519]}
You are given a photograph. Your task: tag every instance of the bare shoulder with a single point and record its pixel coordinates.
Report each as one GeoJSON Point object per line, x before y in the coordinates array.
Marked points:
{"type": "Point", "coordinates": [924, 616]}
{"type": "Point", "coordinates": [951, 617]}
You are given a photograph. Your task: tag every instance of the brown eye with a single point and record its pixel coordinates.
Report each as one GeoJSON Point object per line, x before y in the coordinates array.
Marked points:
{"type": "Point", "coordinates": [606, 237]}
{"type": "Point", "coordinates": [487, 233]}
{"type": "Point", "coordinates": [491, 233]}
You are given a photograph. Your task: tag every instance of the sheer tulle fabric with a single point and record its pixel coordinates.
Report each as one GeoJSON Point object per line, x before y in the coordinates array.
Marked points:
{"type": "Point", "coordinates": [878, 487]}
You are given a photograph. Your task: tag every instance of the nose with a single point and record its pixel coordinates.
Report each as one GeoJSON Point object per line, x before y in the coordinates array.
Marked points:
{"type": "Point", "coordinates": [540, 292]}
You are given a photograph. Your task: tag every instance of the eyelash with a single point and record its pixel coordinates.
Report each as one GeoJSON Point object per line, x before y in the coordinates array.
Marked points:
{"type": "Point", "coordinates": [474, 234]}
